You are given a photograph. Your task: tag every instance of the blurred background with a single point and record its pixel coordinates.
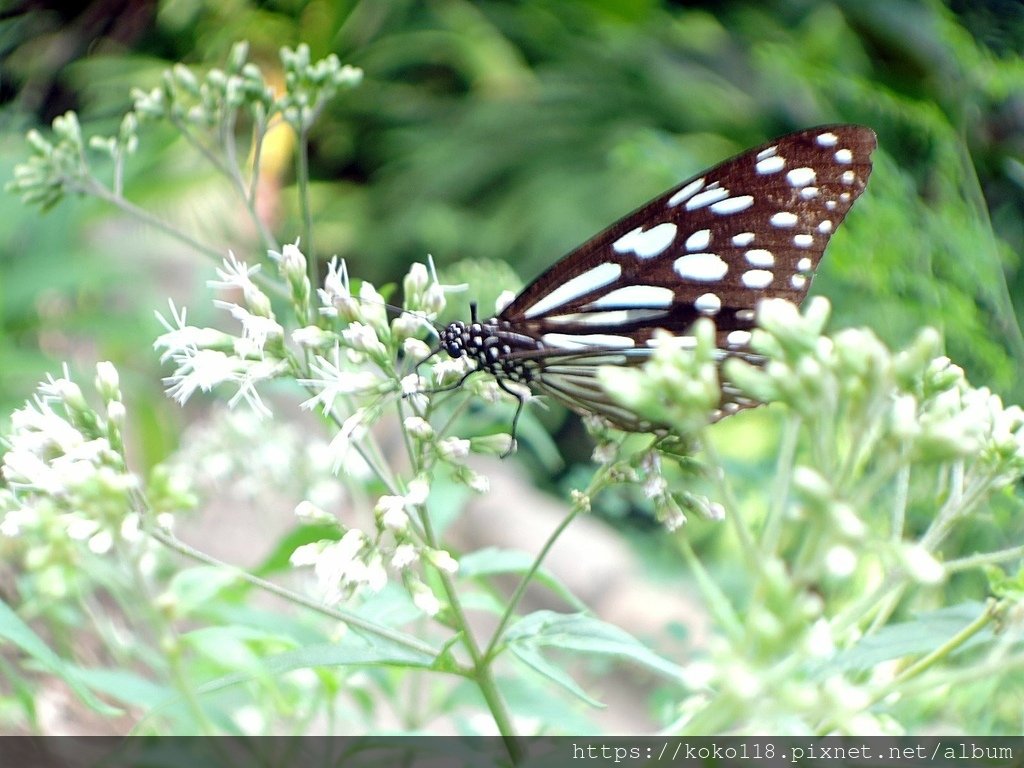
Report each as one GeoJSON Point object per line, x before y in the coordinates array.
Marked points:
{"type": "Point", "coordinates": [496, 136]}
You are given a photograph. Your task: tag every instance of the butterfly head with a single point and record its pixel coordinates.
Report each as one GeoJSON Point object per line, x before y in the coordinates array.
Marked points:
{"type": "Point", "coordinates": [455, 338]}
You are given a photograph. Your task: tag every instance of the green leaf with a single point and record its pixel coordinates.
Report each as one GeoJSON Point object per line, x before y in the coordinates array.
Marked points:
{"type": "Point", "coordinates": [923, 634]}
{"type": "Point", "coordinates": [20, 634]}
{"type": "Point", "coordinates": [585, 634]}
{"type": "Point", "coordinates": [196, 587]}
{"type": "Point", "coordinates": [533, 659]}
{"type": "Point", "coordinates": [493, 561]}
{"type": "Point", "coordinates": [128, 687]}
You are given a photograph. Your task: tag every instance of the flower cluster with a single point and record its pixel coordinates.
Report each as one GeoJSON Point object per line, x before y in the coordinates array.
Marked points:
{"type": "Point", "coordinates": [899, 450]}
{"type": "Point", "coordinates": [355, 561]}
{"type": "Point", "coordinates": [196, 106]}
{"type": "Point", "coordinates": [69, 490]}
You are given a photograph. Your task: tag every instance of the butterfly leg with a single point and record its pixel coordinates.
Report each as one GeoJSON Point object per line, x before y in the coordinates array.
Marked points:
{"type": "Point", "coordinates": [515, 419]}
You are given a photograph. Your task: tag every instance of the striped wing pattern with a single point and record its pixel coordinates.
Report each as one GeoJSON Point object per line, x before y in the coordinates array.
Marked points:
{"type": "Point", "coordinates": [754, 226]}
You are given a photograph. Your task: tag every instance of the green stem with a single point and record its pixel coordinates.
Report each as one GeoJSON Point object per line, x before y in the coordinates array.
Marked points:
{"type": "Point", "coordinates": [302, 179]}
{"type": "Point", "coordinates": [783, 478]}
{"type": "Point", "coordinates": [350, 619]}
{"type": "Point", "coordinates": [520, 590]}
{"type": "Point", "coordinates": [715, 600]}
{"type": "Point", "coordinates": [750, 550]}
{"type": "Point", "coordinates": [984, 558]}
{"type": "Point", "coordinates": [483, 674]}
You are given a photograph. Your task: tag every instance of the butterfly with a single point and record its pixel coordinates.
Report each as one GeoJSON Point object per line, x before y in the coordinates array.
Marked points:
{"type": "Point", "coordinates": [752, 227]}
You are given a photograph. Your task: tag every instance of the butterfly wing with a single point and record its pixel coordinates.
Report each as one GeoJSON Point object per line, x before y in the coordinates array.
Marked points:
{"type": "Point", "coordinates": [753, 226]}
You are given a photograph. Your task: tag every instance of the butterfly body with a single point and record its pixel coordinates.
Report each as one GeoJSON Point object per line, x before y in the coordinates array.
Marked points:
{"type": "Point", "coordinates": [754, 226]}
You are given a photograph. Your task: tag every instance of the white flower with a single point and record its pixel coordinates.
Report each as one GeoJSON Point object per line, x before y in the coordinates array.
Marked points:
{"type": "Point", "coordinates": [181, 337]}
{"type": "Point", "coordinates": [404, 556]}
{"type": "Point", "coordinates": [478, 483]}
{"type": "Point", "coordinates": [339, 565]}
{"type": "Point", "coordinates": [418, 427]}
{"type": "Point", "coordinates": [451, 369]}
{"type": "Point", "coordinates": [392, 512]}
{"type": "Point", "coordinates": [840, 561]}
{"type": "Point", "coordinates": [655, 486]}
{"type": "Point", "coordinates": [333, 381]}
{"type": "Point", "coordinates": [200, 369]}
{"type": "Point", "coordinates": [256, 328]}
{"type": "Point", "coordinates": [409, 325]}
{"type": "Point", "coordinates": [253, 373]}
{"type": "Point", "coordinates": [412, 390]}
{"type": "Point", "coordinates": [374, 308]}
{"type": "Point", "coordinates": [424, 599]}
{"type": "Point", "coordinates": [308, 512]}
{"type": "Point", "coordinates": [235, 274]}
{"type": "Point", "coordinates": [291, 261]}
{"type": "Point", "coordinates": [416, 279]}
{"type": "Point", "coordinates": [415, 349]}
{"type": "Point", "coordinates": [418, 491]}
{"type": "Point", "coordinates": [454, 448]}
{"type": "Point", "coordinates": [336, 295]}
{"type": "Point", "coordinates": [17, 520]}
{"type": "Point", "coordinates": [819, 641]}
{"type": "Point", "coordinates": [107, 380]}
{"type": "Point", "coordinates": [443, 561]}
{"type": "Point", "coordinates": [921, 565]}
{"type": "Point", "coordinates": [313, 337]}
{"type": "Point", "coordinates": [363, 338]}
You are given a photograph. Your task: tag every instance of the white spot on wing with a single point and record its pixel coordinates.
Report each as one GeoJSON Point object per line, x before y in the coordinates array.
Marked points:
{"type": "Point", "coordinates": [804, 265]}
{"type": "Point", "coordinates": [828, 139]}
{"type": "Point", "coordinates": [738, 338]}
{"type": "Point", "coordinates": [767, 152]}
{"type": "Point", "coordinates": [772, 164]}
{"type": "Point", "coordinates": [759, 257]}
{"type": "Point", "coordinates": [803, 241]}
{"type": "Point", "coordinates": [798, 282]}
{"type": "Point", "coordinates": [636, 296]}
{"type": "Point", "coordinates": [844, 156]}
{"type": "Point", "coordinates": [708, 196]}
{"type": "Point", "coordinates": [647, 244]}
{"type": "Point", "coordinates": [783, 219]}
{"type": "Point", "coordinates": [682, 342]}
{"type": "Point", "coordinates": [590, 280]}
{"type": "Point", "coordinates": [733, 205]}
{"type": "Point", "coordinates": [708, 304]}
{"type": "Point", "coordinates": [574, 341]}
{"type": "Point", "coordinates": [745, 315]}
{"type": "Point", "coordinates": [830, 204]}
{"type": "Point", "coordinates": [704, 267]}
{"type": "Point", "coordinates": [801, 177]}
{"type": "Point", "coordinates": [609, 317]}
{"type": "Point", "coordinates": [848, 177]}
{"type": "Point", "coordinates": [743, 239]}
{"type": "Point", "coordinates": [686, 192]}
{"type": "Point", "coordinates": [757, 278]}
{"type": "Point", "coordinates": [809, 193]}
{"type": "Point", "coordinates": [699, 240]}
{"type": "Point", "coordinates": [825, 227]}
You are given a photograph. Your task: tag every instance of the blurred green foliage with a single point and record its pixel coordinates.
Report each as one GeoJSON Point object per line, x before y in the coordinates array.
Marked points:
{"type": "Point", "coordinates": [513, 131]}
